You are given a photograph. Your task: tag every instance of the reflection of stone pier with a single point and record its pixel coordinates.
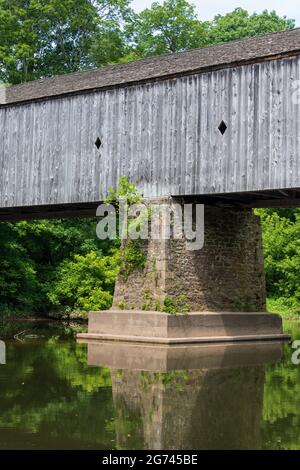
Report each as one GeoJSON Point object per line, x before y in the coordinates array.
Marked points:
{"type": "Point", "coordinates": [187, 397]}
{"type": "Point", "coordinates": [200, 409]}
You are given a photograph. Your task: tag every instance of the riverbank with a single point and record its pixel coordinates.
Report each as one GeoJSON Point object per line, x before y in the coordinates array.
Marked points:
{"type": "Point", "coordinates": [22, 327]}
{"type": "Point", "coordinates": [12, 325]}
{"type": "Point", "coordinates": [280, 307]}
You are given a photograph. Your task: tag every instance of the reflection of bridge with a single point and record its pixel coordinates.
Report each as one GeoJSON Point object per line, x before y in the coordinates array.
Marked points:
{"type": "Point", "coordinates": [187, 397]}
{"type": "Point", "coordinates": [219, 125]}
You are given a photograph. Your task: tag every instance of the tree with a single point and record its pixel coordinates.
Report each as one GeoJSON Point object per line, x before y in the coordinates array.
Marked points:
{"type": "Point", "coordinates": [85, 283]}
{"type": "Point", "coordinates": [109, 43]}
{"type": "Point", "coordinates": [45, 262]}
{"type": "Point", "coordinates": [41, 38]}
{"type": "Point", "coordinates": [174, 26]}
{"type": "Point", "coordinates": [18, 283]}
{"type": "Point", "coordinates": [239, 24]}
{"type": "Point", "coordinates": [281, 235]}
{"type": "Point", "coordinates": [170, 27]}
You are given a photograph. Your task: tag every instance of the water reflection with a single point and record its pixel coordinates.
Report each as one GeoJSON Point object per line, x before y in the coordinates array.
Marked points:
{"type": "Point", "coordinates": [57, 394]}
{"type": "Point", "coordinates": [187, 397]}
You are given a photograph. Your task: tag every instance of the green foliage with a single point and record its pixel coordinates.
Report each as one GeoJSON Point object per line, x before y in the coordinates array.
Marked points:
{"type": "Point", "coordinates": [281, 419]}
{"type": "Point", "coordinates": [169, 305]}
{"type": "Point", "coordinates": [39, 38]}
{"type": "Point", "coordinates": [148, 302]}
{"type": "Point", "coordinates": [122, 305]}
{"type": "Point", "coordinates": [284, 308]}
{"type": "Point", "coordinates": [174, 26]}
{"type": "Point", "coordinates": [55, 265]}
{"type": "Point", "coordinates": [239, 24]}
{"type": "Point", "coordinates": [281, 236]}
{"type": "Point", "coordinates": [43, 38]}
{"type": "Point", "coordinates": [132, 254]}
{"type": "Point", "coordinates": [85, 283]}
{"type": "Point", "coordinates": [18, 283]}
{"type": "Point", "coordinates": [168, 27]}
{"type": "Point", "coordinates": [133, 257]}
{"type": "Point", "coordinates": [48, 388]}
{"type": "Point", "coordinates": [176, 305]}
{"type": "Point", "coordinates": [124, 190]}
{"type": "Point", "coordinates": [109, 44]}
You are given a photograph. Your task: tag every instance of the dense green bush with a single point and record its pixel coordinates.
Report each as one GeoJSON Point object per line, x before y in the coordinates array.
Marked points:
{"type": "Point", "coordinates": [84, 283]}
{"type": "Point", "coordinates": [281, 235]}
{"type": "Point", "coordinates": [57, 265]}
{"type": "Point", "coordinates": [19, 287]}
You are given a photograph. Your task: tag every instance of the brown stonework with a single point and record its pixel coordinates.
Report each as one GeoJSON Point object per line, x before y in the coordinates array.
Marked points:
{"type": "Point", "coordinates": [227, 274]}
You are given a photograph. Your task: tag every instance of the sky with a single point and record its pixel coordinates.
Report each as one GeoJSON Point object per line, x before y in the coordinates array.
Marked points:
{"type": "Point", "coordinates": [207, 9]}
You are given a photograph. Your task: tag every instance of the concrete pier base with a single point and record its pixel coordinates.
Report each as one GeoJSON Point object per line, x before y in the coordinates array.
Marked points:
{"type": "Point", "coordinates": [163, 328]}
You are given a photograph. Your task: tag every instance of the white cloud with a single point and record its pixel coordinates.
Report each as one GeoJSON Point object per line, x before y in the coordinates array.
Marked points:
{"type": "Point", "coordinates": [207, 9]}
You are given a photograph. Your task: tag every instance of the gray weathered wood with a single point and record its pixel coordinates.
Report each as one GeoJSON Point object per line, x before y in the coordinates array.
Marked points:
{"type": "Point", "coordinates": [163, 135]}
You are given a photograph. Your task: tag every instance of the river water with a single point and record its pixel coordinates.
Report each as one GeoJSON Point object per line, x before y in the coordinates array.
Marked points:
{"type": "Point", "coordinates": [56, 393]}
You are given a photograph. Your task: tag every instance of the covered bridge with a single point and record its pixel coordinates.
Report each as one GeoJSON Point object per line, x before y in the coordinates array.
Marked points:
{"type": "Point", "coordinates": [220, 123]}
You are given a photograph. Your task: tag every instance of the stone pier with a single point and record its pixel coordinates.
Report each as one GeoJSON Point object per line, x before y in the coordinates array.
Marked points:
{"type": "Point", "coordinates": [227, 274]}
{"type": "Point", "coordinates": [176, 295]}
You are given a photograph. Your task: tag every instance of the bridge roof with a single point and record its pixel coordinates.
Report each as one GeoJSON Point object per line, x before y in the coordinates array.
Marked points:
{"type": "Point", "coordinates": [251, 50]}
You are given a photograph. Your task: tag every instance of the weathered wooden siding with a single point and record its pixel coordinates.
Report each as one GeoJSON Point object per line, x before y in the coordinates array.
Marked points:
{"type": "Point", "coordinates": [163, 135]}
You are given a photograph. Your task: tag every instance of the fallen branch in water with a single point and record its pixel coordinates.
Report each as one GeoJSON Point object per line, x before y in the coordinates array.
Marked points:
{"type": "Point", "coordinates": [17, 336]}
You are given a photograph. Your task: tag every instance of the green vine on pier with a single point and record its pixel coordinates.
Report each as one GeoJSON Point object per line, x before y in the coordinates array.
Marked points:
{"type": "Point", "coordinates": [132, 255]}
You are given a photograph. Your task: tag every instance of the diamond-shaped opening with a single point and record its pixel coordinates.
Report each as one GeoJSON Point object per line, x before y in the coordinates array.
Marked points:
{"type": "Point", "coordinates": [98, 143]}
{"type": "Point", "coordinates": [222, 127]}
